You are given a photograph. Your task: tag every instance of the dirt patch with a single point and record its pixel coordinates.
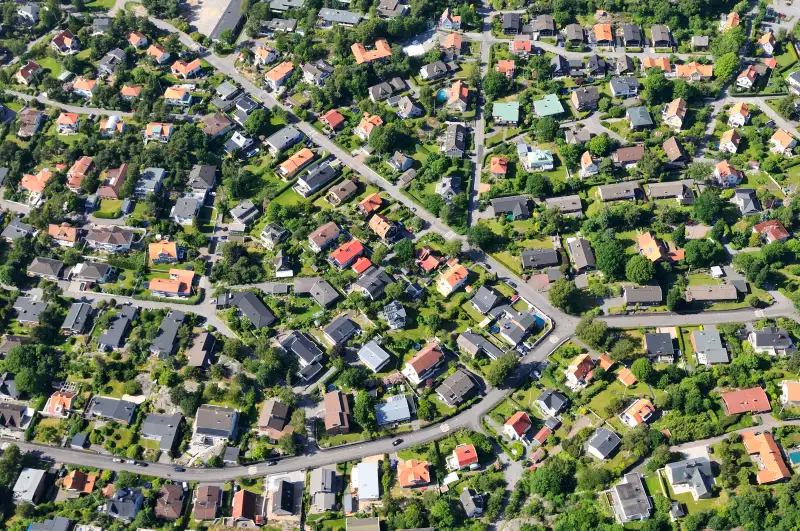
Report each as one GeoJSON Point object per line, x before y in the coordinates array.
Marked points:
{"type": "Point", "coordinates": [483, 188]}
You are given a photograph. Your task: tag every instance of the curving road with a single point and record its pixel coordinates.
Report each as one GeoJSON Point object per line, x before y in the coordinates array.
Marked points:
{"type": "Point", "coordinates": [69, 108]}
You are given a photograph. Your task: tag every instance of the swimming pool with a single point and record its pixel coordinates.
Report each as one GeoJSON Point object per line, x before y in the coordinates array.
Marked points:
{"type": "Point", "coordinates": [441, 95]}
{"type": "Point", "coordinates": [794, 457]}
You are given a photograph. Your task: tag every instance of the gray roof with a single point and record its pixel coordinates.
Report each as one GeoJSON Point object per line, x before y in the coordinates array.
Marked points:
{"type": "Point", "coordinates": [17, 229]}
{"type": "Point", "coordinates": [318, 288]}
{"type": "Point", "coordinates": [543, 23]}
{"type": "Point", "coordinates": [630, 499]}
{"type": "Point", "coordinates": [587, 94]}
{"type": "Point", "coordinates": [604, 441]}
{"type": "Point", "coordinates": [394, 409]}
{"type": "Point", "coordinates": [93, 271]}
{"type": "Point", "coordinates": [567, 203]}
{"type": "Point", "coordinates": [669, 189]}
{"type": "Point", "coordinates": [625, 64]}
{"type": "Point", "coordinates": [368, 481]}
{"type": "Point", "coordinates": [455, 137]}
{"type": "Point", "coordinates": [456, 388]}
{"type": "Point", "coordinates": [280, 24]}
{"type": "Point", "coordinates": [582, 254]}
{"type": "Point", "coordinates": [362, 524]}
{"type": "Point", "coordinates": [28, 309]}
{"type": "Point", "coordinates": [46, 267]}
{"type": "Point", "coordinates": [186, 207]}
{"type": "Point", "coordinates": [283, 499]}
{"type": "Point", "coordinates": [251, 307]}
{"type": "Point", "coordinates": [709, 343]}
{"type": "Point", "coordinates": [659, 344]}
{"type": "Point", "coordinates": [245, 212]}
{"type": "Point", "coordinates": [624, 84]}
{"type": "Point", "coordinates": [616, 191]}
{"type": "Point", "coordinates": [226, 90]}
{"type": "Point", "coordinates": [639, 117]}
{"type": "Point", "coordinates": [771, 337]}
{"type": "Point", "coordinates": [373, 356]}
{"type": "Point", "coordinates": [300, 345]}
{"type": "Point", "coordinates": [150, 178]}
{"type": "Point", "coordinates": [395, 314]}
{"type": "Point", "coordinates": [77, 317]}
{"type": "Point", "coordinates": [8, 386]}
{"type": "Point", "coordinates": [642, 294]}
{"type": "Point", "coordinates": [517, 205]}
{"type": "Point", "coordinates": [660, 33]}
{"type": "Point", "coordinates": [319, 176]}
{"type": "Point", "coordinates": [535, 258]}
{"type": "Point", "coordinates": [552, 400]}
{"type": "Point", "coordinates": [285, 138]}
{"type": "Point", "coordinates": [322, 487]}
{"type": "Point", "coordinates": [114, 336]}
{"type": "Point", "coordinates": [632, 32]}
{"type": "Point", "coordinates": [216, 421]}
{"type": "Point", "coordinates": [164, 426]}
{"type": "Point", "coordinates": [485, 299]}
{"type": "Point", "coordinates": [574, 32]}
{"type": "Point", "coordinates": [165, 340]}
{"type": "Point", "coordinates": [470, 501]}
{"type": "Point", "coordinates": [230, 19]}
{"type": "Point", "coordinates": [202, 176]}
{"type": "Point", "coordinates": [274, 415]}
{"type": "Point", "coordinates": [285, 5]}
{"type": "Point", "coordinates": [339, 15]}
{"type": "Point", "coordinates": [340, 329]}
{"type": "Point", "coordinates": [125, 504]}
{"type": "Point", "coordinates": [511, 21]}
{"type": "Point", "coordinates": [695, 473]}
{"type": "Point", "coordinates": [380, 91]}
{"type": "Point", "coordinates": [57, 523]}
{"type": "Point", "coordinates": [434, 69]}
{"type": "Point", "coordinates": [475, 343]}
{"type": "Point", "coordinates": [113, 408]}
{"type": "Point", "coordinates": [747, 201]}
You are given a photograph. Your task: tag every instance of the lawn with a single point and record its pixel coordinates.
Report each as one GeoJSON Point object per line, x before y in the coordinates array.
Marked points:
{"type": "Point", "coordinates": [289, 197]}
{"type": "Point", "coordinates": [50, 64]}
{"type": "Point", "coordinates": [110, 206]}
{"type": "Point", "coordinates": [99, 5]}
{"type": "Point", "coordinates": [206, 217]}
{"type": "Point", "coordinates": [46, 423]}
{"type": "Point", "coordinates": [702, 279]}
{"type": "Point", "coordinates": [616, 388]}
{"type": "Point", "coordinates": [692, 506]}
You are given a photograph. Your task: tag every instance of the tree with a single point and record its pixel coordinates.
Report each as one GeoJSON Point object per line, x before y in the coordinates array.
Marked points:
{"type": "Point", "coordinates": [364, 411]}
{"type": "Point", "coordinates": [555, 478]}
{"type": "Point", "coordinates": [494, 85]}
{"type": "Point", "coordinates": [538, 185]}
{"type": "Point", "coordinates": [658, 87]}
{"type": "Point", "coordinates": [501, 369]}
{"type": "Point", "coordinates": [228, 36]}
{"type": "Point", "coordinates": [704, 253]}
{"type": "Point", "coordinates": [678, 235]}
{"type": "Point", "coordinates": [675, 299]}
{"type": "Point", "coordinates": [442, 514]}
{"type": "Point", "coordinates": [708, 206]}
{"type": "Point", "coordinates": [726, 67]}
{"type": "Point", "coordinates": [258, 122]}
{"type": "Point", "coordinates": [298, 422]}
{"type": "Point", "coordinates": [453, 248]}
{"type": "Point", "coordinates": [650, 166]}
{"type": "Point", "coordinates": [404, 252]}
{"type": "Point", "coordinates": [623, 349]}
{"type": "Point", "coordinates": [546, 129]}
{"type": "Point", "coordinates": [289, 444]}
{"type": "Point", "coordinates": [379, 254]}
{"type": "Point", "coordinates": [592, 331]}
{"type": "Point", "coordinates": [610, 258]}
{"type": "Point", "coordinates": [639, 270]}
{"type": "Point", "coordinates": [642, 369]}
{"type": "Point", "coordinates": [700, 171]}
{"type": "Point", "coordinates": [599, 145]}
{"type": "Point", "coordinates": [481, 236]}
{"type": "Point", "coordinates": [564, 295]}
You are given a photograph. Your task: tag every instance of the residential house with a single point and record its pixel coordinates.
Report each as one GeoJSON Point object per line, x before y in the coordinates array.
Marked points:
{"type": "Point", "coordinates": [630, 499]}
{"type": "Point", "coordinates": [603, 35]}
{"type": "Point", "coordinates": [337, 413]}
{"type": "Point", "coordinates": [77, 318]}
{"type": "Point", "coordinates": [569, 205]}
{"type": "Point", "coordinates": [729, 142]}
{"type": "Point", "coordinates": [498, 166]}
{"type": "Point", "coordinates": [179, 284]}
{"type": "Point", "coordinates": [201, 353]}
{"type": "Point", "coordinates": [588, 165]}
{"type": "Point", "coordinates": [632, 36]}
{"type": "Point", "coordinates": [214, 424]}
{"type": "Point", "coordinates": [585, 98]}
{"type": "Point", "coordinates": [660, 36]}
{"type": "Point", "coordinates": [447, 21]}
{"type": "Point", "coordinates": [638, 118]}
{"type": "Point", "coordinates": [381, 51]}
{"type": "Point", "coordinates": [658, 347]}
{"type": "Point", "coordinates": [30, 121]}
{"type": "Point", "coordinates": [340, 330]}
{"type": "Point", "coordinates": [772, 341]}
{"type": "Point", "coordinates": [130, 92]}
{"type": "Point", "coordinates": [674, 114]}
{"type": "Point", "coordinates": [346, 254]}
{"type": "Point", "coordinates": [333, 119]}
{"type": "Point", "coordinates": [107, 408]}
{"type": "Point", "coordinates": [581, 253]}
{"type": "Point", "coordinates": [272, 235]}
{"type": "Point", "coordinates": [677, 158]}
{"type": "Point", "coordinates": [245, 212]}
{"type": "Point", "coordinates": [472, 503]}
{"type": "Point", "coordinates": [513, 207]}
{"type": "Point", "coordinates": [452, 279]}
{"type": "Point", "coordinates": [283, 139]}
{"type": "Point", "coordinates": [169, 502]}
{"type": "Point", "coordinates": [538, 258]}
{"type": "Point", "coordinates": [165, 252]}
{"type": "Point", "coordinates": [163, 429]}
{"type": "Point", "coordinates": [433, 70]}
{"type": "Point", "coordinates": [603, 443]}
{"type": "Point", "coordinates": [111, 126]}
{"type": "Point", "coordinates": [747, 78]}
{"type": "Point", "coordinates": [771, 465]}
{"type": "Point", "coordinates": [725, 175]}
{"type": "Point", "coordinates": [551, 402]}
{"type": "Point", "coordinates": [746, 200]}
{"type": "Point", "coordinates": [178, 97]}
{"type": "Point", "coordinates": [114, 337]}
{"type": "Point", "coordinates": [367, 125]}
{"type": "Point", "coordinates": [65, 43]}
{"type": "Point", "coordinates": [505, 113]}
{"type": "Point", "coordinates": [46, 268]}
{"type": "Point", "coordinates": [112, 239]}
{"type": "Point", "coordinates": [295, 163]}
{"type": "Point", "coordinates": [207, 502]}
{"type": "Point", "coordinates": [639, 412]}
{"type": "Point", "coordinates": [30, 487]}
{"type": "Point", "coordinates": [84, 88]}
{"type": "Point", "coordinates": [624, 87]}
{"type": "Point", "coordinates": [517, 426]}
{"type": "Point", "coordinates": [456, 389]}
{"type": "Point", "coordinates": [549, 105]}
{"type": "Point", "coordinates": [249, 306]}
{"type": "Point", "coordinates": [772, 231]}
{"type": "Point", "coordinates": [458, 96]}
{"type": "Point", "coordinates": [782, 143]}
{"type": "Point", "coordinates": [278, 76]}
{"type": "Point", "coordinates": [642, 295]}
{"type": "Point", "coordinates": [323, 237]}
{"type": "Point", "coordinates": [158, 132]}
{"type": "Point", "coordinates": [739, 115]}
{"type": "Point", "coordinates": [694, 72]}
{"type": "Point", "coordinates": [67, 123]}
{"type": "Point", "coordinates": [59, 404]}
{"type": "Point", "coordinates": [28, 73]}
{"type": "Point", "coordinates": [454, 143]}
{"type": "Point", "coordinates": [423, 364]}
{"type": "Point", "coordinates": [753, 400]}
{"type": "Point", "coordinates": [108, 64]}
{"type": "Point", "coordinates": [767, 43]}
{"type": "Point", "coordinates": [579, 372]}
{"type": "Point", "coordinates": [662, 63]}
{"type": "Point", "coordinates": [316, 73]}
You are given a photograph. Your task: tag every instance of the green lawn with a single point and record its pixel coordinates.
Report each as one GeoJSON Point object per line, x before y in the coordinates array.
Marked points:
{"type": "Point", "coordinates": [289, 197]}
{"type": "Point", "coordinates": [50, 64]}
{"type": "Point", "coordinates": [110, 206]}
{"type": "Point", "coordinates": [702, 279]}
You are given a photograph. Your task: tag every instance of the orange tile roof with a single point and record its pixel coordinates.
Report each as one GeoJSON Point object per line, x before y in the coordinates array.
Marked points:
{"type": "Point", "coordinates": [773, 466]}
{"type": "Point", "coordinates": [505, 66]}
{"type": "Point", "coordinates": [175, 93]}
{"type": "Point", "coordinates": [452, 40]}
{"type": "Point", "coordinates": [184, 68]}
{"type": "Point", "coordinates": [60, 401]}
{"type": "Point", "coordinates": [264, 51]}
{"type": "Point", "coordinates": [119, 126]}
{"type": "Point", "coordinates": [80, 481]}
{"type": "Point", "coordinates": [347, 250]}
{"type": "Point", "coordinates": [134, 37]}
{"type": "Point", "coordinates": [36, 183]}
{"type": "Point", "coordinates": [730, 136]}
{"type": "Point", "coordinates": [368, 123]}
{"type": "Point", "coordinates": [412, 473]}
{"type": "Point", "coordinates": [455, 275]}
{"type": "Point", "coordinates": [753, 400]}
{"type": "Point", "coordinates": [333, 118]}
{"type": "Point", "coordinates": [605, 361]}
{"type": "Point", "coordinates": [690, 69]}
{"type": "Point", "coordinates": [602, 32]}
{"type": "Point", "coordinates": [362, 264]}
{"type": "Point", "coordinates": [657, 62]}
{"type": "Point", "coordinates": [166, 129]}
{"type": "Point", "coordinates": [749, 72]}
{"type": "Point", "coordinates": [773, 229]}
{"type": "Point", "coordinates": [677, 107]}
{"type": "Point", "coordinates": [186, 276]}
{"type": "Point", "coordinates": [639, 410]}
{"type": "Point", "coordinates": [157, 249]}
{"type": "Point", "coordinates": [84, 84]}
{"type": "Point", "coordinates": [582, 367]}
{"type": "Point", "coordinates": [156, 50]}
{"type": "Point", "coordinates": [586, 159]}
{"type": "Point", "coordinates": [297, 161]}
{"type": "Point", "coordinates": [782, 138]}
{"type": "Point", "coordinates": [771, 62]}
{"type": "Point", "coordinates": [68, 118]}
{"type": "Point", "coordinates": [626, 377]}
{"type": "Point", "coordinates": [498, 165]}
{"type": "Point", "coordinates": [380, 225]}
{"type": "Point", "coordinates": [792, 389]}
{"type": "Point", "coordinates": [180, 282]}
{"type": "Point", "coordinates": [371, 203]}
{"type": "Point", "coordinates": [108, 490]}
{"type": "Point", "coordinates": [542, 435]}
{"type": "Point", "coordinates": [63, 232]}
{"type": "Point", "coordinates": [767, 38]}
{"type": "Point", "coordinates": [426, 358]}
{"type": "Point", "coordinates": [740, 108]}
{"type": "Point", "coordinates": [465, 455]}
{"type": "Point", "coordinates": [732, 20]}
{"type": "Point", "coordinates": [459, 91]}
{"type": "Point", "coordinates": [131, 91]}
{"type": "Point", "coordinates": [521, 45]}
{"type": "Point", "coordinates": [81, 167]}
{"type": "Point", "coordinates": [381, 51]}
{"type": "Point", "coordinates": [520, 422]}
{"type": "Point", "coordinates": [280, 72]}
{"type": "Point", "coordinates": [724, 169]}
{"type": "Point", "coordinates": [650, 247]}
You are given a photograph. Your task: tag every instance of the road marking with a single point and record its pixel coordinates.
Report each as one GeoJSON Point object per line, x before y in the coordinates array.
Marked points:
{"type": "Point", "coordinates": [253, 470]}
{"type": "Point", "coordinates": [450, 236]}
{"type": "Point", "coordinates": [759, 313]}
{"type": "Point", "coordinates": [553, 339]}
{"type": "Point", "coordinates": [444, 427]}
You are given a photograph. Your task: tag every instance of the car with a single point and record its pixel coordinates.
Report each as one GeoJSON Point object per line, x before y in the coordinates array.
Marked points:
{"type": "Point", "coordinates": [397, 442]}
{"type": "Point", "coordinates": [178, 469]}
{"type": "Point", "coordinates": [130, 462]}
{"type": "Point", "coordinates": [141, 463]}
{"type": "Point", "coordinates": [116, 460]}
{"type": "Point", "coordinates": [272, 463]}
{"type": "Point", "coordinates": [487, 266]}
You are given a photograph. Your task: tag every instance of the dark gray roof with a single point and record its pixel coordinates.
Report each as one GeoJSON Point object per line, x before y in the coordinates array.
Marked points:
{"type": "Point", "coordinates": [230, 19]}
{"type": "Point", "coordinates": [535, 258]}
{"type": "Point", "coordinates": [456, 388]}
{"type": "Point", "coordinates": [165, 340]}
{"type": "Point", "coordinates": [632, 32]}
{"type": "Point", "coordinates": [455, 137]}
{"type": "Point", "coordinates": [616, 191]}
{"type": "Point", "coordinates": [552, 400]}
{"type": "Point", "coordinates": [660, 34]}
{"type": "Point", "coordinates": [114, 336]}
{"type": "Point", "coordinates": [186, 207]}
{"type": "Point", "coordinates": [659, 344]}
{"type": "Point", "coordinates": [624, 84]}
{"type": "Point", "coordinates": [567, 203]}
{"type": "Point", "coordinates": [604, 441]}
{"type": "Point", "coordinates": [113, 408]}
{"type": "Point", "coordinates": [475, 343]}
{"type": "Point", "coordinates": [587, 94]}
{"type": "Point", "coordinates": [695, 473]}
{"type": "Point", "coordinates": [747, 201]}
{"type": "Point", "coordinates": [93, 271]}
{"type": "Point", "coordinates": [245, 212]}
{"type": "Point", "coordinates": [625, 64]}
{"type": "Point", "coordinates": [58, 523]}
{"type": "Point", "coordinates": [202, 176]}
{"type": "Point", "coordinates": [216, 421]}
{"type": "Point", "coordinates": [374, 281]}
{"type": "Point", "coordinates": [771, 337]}
{"type": "Point", "coordinates": [339, 15]}
{"type": "Point", "coordinates": [340, 329]}
{"type": "Point", "coordinates": [643, 294]}
{"type": "Point", "coordinates": [517, 205]}
{"type": "Point", "coordinates": [125, 504]}
{"type": "Point", "coordinates": [575, 32]}
{"type": "Point", "coordinates": [17, 229]}
{"type": "Point", "coordinates": [300, 345]}
{"type": "Point", "coordinates": [283, 499]}
{"type": "Point", "coordinates": [471, 502]}
{"type": "Point", "coordinates": [485, 299]}
{"type": "Point", "coordinates": [511, 22]}
{"type": "Point", "coordinates": [252, 308]}
{"type": "Point", "coordinates": [581, 251]}
{"type": "Point", "coordinates": [77, 317]}
{"type": "Point", "coordinates": [318, 288]}
{"type": "Point", "coordinates": [200, 353]}
{"type": "Point", "coordinates": [434, 69]}
{"type": "Point", "coordinates": [226, 90]}
{"type": "Point", "coordinates": [46, 267]}
{"type": "Point", "coordinates": [319, 176]}
{"type": "Point", "coordinates": [28, 309]}
{"type": "Point", "coordinates": [164, 426]}
{"type": "Point", "coordinates": [8, 387]}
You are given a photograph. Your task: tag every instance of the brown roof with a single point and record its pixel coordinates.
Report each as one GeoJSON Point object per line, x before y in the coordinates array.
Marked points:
{"type": "Point", "coordinates": [244, 505]}
{"type": "Point", "coordinates": [169, 504]}
{"type": "Point", "coordinates": [337, 411]}
{"type": "Point", "coordinates": [206, 502]}
{"type": "Point", "coordinates": [673, 149]}
{"type": "Point", "coordinates": [324, 233]}
{"type": "Point", "coordinates": [426, 358]}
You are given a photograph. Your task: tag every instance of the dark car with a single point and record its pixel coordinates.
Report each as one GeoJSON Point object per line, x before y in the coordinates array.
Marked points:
{"type": "Point", "coordinates": [397, 442]}
{"type": "Point", "coordinates": [178, 469]}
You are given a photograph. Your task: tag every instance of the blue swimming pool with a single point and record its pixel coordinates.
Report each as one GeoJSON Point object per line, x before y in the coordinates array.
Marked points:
{"type": "Point", "coordinates": [794, 457]}
{"type": "Point", "coordinates": [441, 95]}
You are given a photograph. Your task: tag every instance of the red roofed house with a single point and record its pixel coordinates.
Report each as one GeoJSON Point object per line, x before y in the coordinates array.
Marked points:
{"type": "Point", "coordinates": [137, 40]}
{"type": "Point", "coordinates": [67, 123]}
{"type": "Point", "coordinates": [278, 75]}
{"type": "Point", "coordinates": [27, 73]}
{"type": "Point", "coordinates": [79, 481]}
{"type": "Point", "coordinates": [422, 365]}
{"type": "Point", "coordinates": [541, 436]}
{"type": "Point", "coordinates": [130, 92]}
{"type": "Point", "coordinates": [413, 473]}
{"type": "Point", "coordinates": [605, 362]}
{"type": "Point", "coordinates": [767, 43]}
{"type": "Point", "coordinates": [382, 50]}
{"type": "Point", "coordinates": [772, 467]}
{"type": "Point", "coordinates": [112, 181]}
{"type": "Point", "coordinates": [517, 426]}
{"type": "Point", "coordinates": [296, 162]}
{"type": "Point", "coordinates": [498, 166]}
{"type": "Point", "coordinates": [346, 254]}
{"type": "Point", "coordinates": [59, 404]}
{"type": "Point", "coordinates": [370, 204]}
{"type": "Point", "coordinates": [35, 183]}
{"type": "Point", "coordinates": [729, 142]}
{"type": "Point", "coordinates": [580, 370]}
{"type": "Point", "coordinates": [463, 456]}
{"type": "Point", "coordinates": [753, 400]}
{"type": "Point", "coordinates": [637, 413]}
{"type": "Point", "coordinates": [506, 66]}
{"type": "Point", "coordinates": [427, 261]}
{"type": "Point", "coordinates": [521, 47]}
{"type": "Point", "coordinates": [159, 132]}
{"type": "Point", "coordinates": [159, 53]}
{"type": "Point", "coordinates": [452, 279]}
{"type": "Point", "coordinates": [248, 506]}
{"type": "Point", "coordinates": [65, 42]}
{"type": "Point", "coordinates": [772, 231]}
{"type": "Point", "coordinates": [747, 78]}
{"type": "Point", "coordinates": [362, 264]}
{"type": "Point", "coordinates": [725, 175]}
{"type": "Point", "coordinates": [186, 70]}
{"type": "Point", "coordinates": [367, 125]}
{"type": "Point", "coordinates": [82, 167]}
{"type": "Point", "coordinates": [333, 119]}
{"type": "Point", "coordinates": [84, 88]}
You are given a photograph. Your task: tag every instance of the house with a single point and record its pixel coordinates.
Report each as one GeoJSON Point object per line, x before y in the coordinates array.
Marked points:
{"type": "Point", "coordinates": [581, 253]}
{"type": "Point", "coordinates": [770, 462]}
{"type": "Point", "coordinates": [169, 502]}
{"type": "Point", "coordinates": [580, 370]}
{"type": "Point", "coordinates": [485, 299]}
{"type": "Point", "coordinates": [691, 475]}
{"type": "Point", "coordinates": [272, 235]}
{"type": "Point", "coordinates": [201, 353]}
{"type": "Point", "coordinates": [729, 142]}
{"type": "Point", "coordinates": [29, 13]}
{"type": "Point", "coordinates": [296, 162]}
{"type": "Point", "coordinates": [337, 413]}
{"type": "Point", "coordinates": [423, 364]}
{"type": "Point", "coordinates": [339, 330]}
{"type": "Point", "coordinates": [107, 408]}
{"type": "Point", "coordinates": [67, 123]}
{"type": "Point", "coordinates": [506, 67]}
{"type": "Point", "coordinates": [569, 205]}
{"type": "Point", "coordinates": [30, 121]}
{"type": "Point", "coordinates": [782, 143]}
{"type": "Point", "coordinates": [399, 162]}
{"type": "Point", "coordinates": [458, 96]}
{"type": "Point", "coordinates": [316, 73]}
{"type": "Point", "coordinates": [77, 318]}
{"type": "Point", "coordinates": [84, 88]}
{"type": "Point", "coordinates": [273, 421]}
{"type": "Point", "coordinates": [163, 345]}
{"type": "Point", "coordinates": [372, 283]}
{"type": "Point", "coordinates": [322, 489]}
{"type": "Point", "coordinates": [65, 43]}
{"type": "Point", "coordinates": [278, 76]}
{"type": "Point", "coordinates": [662, 63]}
{"type": "Point", "coordinates": [394, 314]}
{"type": "Point", "coordinates": [739, 115]}
{"type": "Point", "coordinates": [534, 160]}
{"type": "Point", "coordinates": [240, 143]}
{"type": "Point", "coordinates": [517, 426]}
{"type": "Point", "coordinates": [549, 105]}
{"type": "Point", "coordinates": [28, 73]}
{"type": "Point", "coordinates": [543, 25]}
{"type": "Point", "coordinates": [452, 42]}
{"type": "Point", "coordinates": [602, 444]}
{"type": "Point", "coordinates": [511, 23]}
{"type": "Point", "coordinates": [658, 347]}
{"type": "Point", "coordinates": [323, 237]}
{"type": "Point", "coordinates": [367, 484]}
{"type": "Point", "coordinates": [474, 344]}
{"type": "Point", "coordinates": [677, 158]}
{"type": "Point", "coordinates": [245, 212]}
{"type": "Point", "coordinates": [790, 393]}
{"type": "Point", "coordinates": [767, 43]}
{"type": "Point", "coordinates": [772, 341]}
{"type": "Point", "coordinates": [747, 78]}
{"type": "Point", "coordinates": [207, 501]}
{"type": "Point", "coordinates": [346, 254]}
{"type": "Point", "coordinates": [179, 284]}
{"type": "Point", "coordinates": [108, 64]}
{"type": "Point", "coordinates": [498, 166]}
{"type": "Point", "coordinates": [201, 180]}
{"type": "Point", "coordinates": [650, 247]}
{"type": "Point", "coordinates": [693, 72]}
{"type": "Point", "coordinates": [674, 114]}
{"type": "Point", "coordinates": [603, 35]}
{"type": "Point", "coordinates": [638, 118]}
{"type": "Point", "coordinates": [624, 87]}
{"type": "Point", "coordinates": [660, 36]}
{"type": "Point", "coordinates": [46, 268]}
{"type": "Point", "coordinates": [185, 210]}
{"type": "Point", "coordinates": [448, 21]}
{"type": "Point", "coordinates": [373, 356]}
{"type": "Point", "coordinates": [59, 404]}
{"type": "Point", "coordinates": [753, 400]}
{"type": "Point", "coordinates": [30, 487]}
{"type": "Point", "coordinates": [725, 175]}
{"type": "Point", "coordinates": [394, 410]}
{"type": "Point", "coordinates": [283, 139]}
{"type": "Point", "coordinates": [456, 389]}
{"type": "Point", "coordinates": [642, 295]}
{"type": "Point", "coordinates": [8, 387]}
{"type": "Point", "coordinates": [551, 402]}
{"type": "Point", "coordinates": [560, 67]}
{"type": "Point", "coordinates": [538, 258]}
{"type": "Point", "coordinates": [746, 200]}
{"type": "Point", "coordinates": [575, 35]}
{"type": "Point", "coordinates": [370, 204]}
{"type": "Point", "coordinates": [772, 231]}
{"type": "Point", "coordinates": [130, 92]}
{"type": "Point", "coordinates": [178, 97]}
{"type": "Point", "coordinates": [513, 207]}
{"type": "Point", "coordinates": [432, 71]}
{"type": "Point", "coordinates": [159, 54]}
{"type": "Point", "coordinates": [333, 119]}
{"type": "Point", "coordinates": [215, 424]}
{"type": "Point", "coordinates": [505, 113]}
{"type": "Point", "coordinates": [165, 252]}
{"type": "Point", "coordinates": [637, 413]}
{"type": "Point", "coordinates": [454, 143]}
{"type": "Point", "coordinates": [632, 36]}
{"type": "Point", "coordinates": [78, 171]}
{"type": "Point", "coordinates": [29, 310]}
{"type": "Point", "coordinates": [588, 165]}
{"type": "Point", "coordinates": [585, 98]}
{"type": "Point", "coordinates": [472, 503]}
{"type": "Point", "coordinates": [630, 501]}
{"type": "Point", "coordinates": [79, 482]}
{"type": "Point", "coordinates": [249, 305]}
{"type": "Point", "coordinates": [164, 429]}
{"type": "Point", "coordinates": [452, 279]}
{"type": "Point", "coordinates": [328, 17]}
{"type": "Point", "coordinates": [367, 125]}
{"type": "Point", "coordinates": [596, 66]}
{"type": "Point", "coordinates": [413, 473]}
{"type": "Point", "coordinates": [381, 51]}
{"type": "Point", "coordinates": [111, 126]}
{"type": "Point", "coordinates": [624, 65]}
{"type": "Point", "coordinates": [464, 456]}
{"type": "Point", "coordinates": [158, 132]}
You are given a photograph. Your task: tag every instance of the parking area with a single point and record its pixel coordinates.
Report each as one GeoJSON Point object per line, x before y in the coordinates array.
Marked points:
{"type": "Point", "coordinates": [205, 14]}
